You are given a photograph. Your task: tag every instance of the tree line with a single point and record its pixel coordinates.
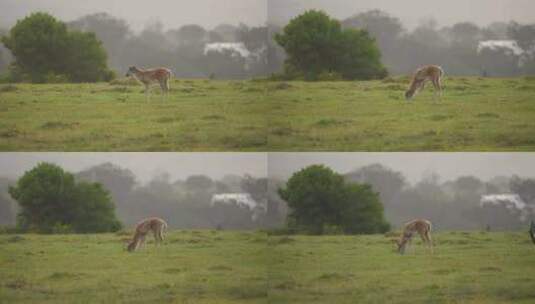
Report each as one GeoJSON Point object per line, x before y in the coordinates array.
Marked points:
{"type": "Point", "coordinates": [315, 200]}
{"type": "Point", "coordinates": [45, 49]}
{"type": "Point", "coordinates": [367, 45]}
{"type": "Point", "coordinates": [456, 48]}
{"type": "Point", "coordinates": [46, 199]}
{"type": "Point", "coordinates": [449, 204]}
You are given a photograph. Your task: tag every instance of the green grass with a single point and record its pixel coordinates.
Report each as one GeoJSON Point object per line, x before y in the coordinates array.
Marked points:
{"type": "Point", "coordinates": [465, 268]}
{"type": "Point", "coordinates": [475, 114]}
{"type": "Point", "coordinates": [199, 115]}
{"type": "Point", "coordinates": [249, 267]}
{"type": "Point", "coordinates": [191, 267]}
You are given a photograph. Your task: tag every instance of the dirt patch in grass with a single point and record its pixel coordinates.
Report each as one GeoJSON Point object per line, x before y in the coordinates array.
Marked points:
{"type": "Point", "coordinates": [282, 240]}
{"type": "Point", "coordinates": [488, 115]}
{"type": "Point", "coordinates": [10, 133]}
{"type": "Point", "coordinates": [526, 88]}
{"type": "Point", "coordinates": [248, 292]}
{"type": "Point", "coordinates": [8, 88]}
{"type": "Point", "coordinates": [334, 276]}
{"type": "Point", "coordinates": [440, 117]}
{"type": "Point", "coordinates": [443, 271]}
{"type": "Point", "coordinates": [490, 269]}
{"type": "Point", "coordinates": [64, 275]}
{"type": "Point", "coordinates": [220, 268]}
{"type": "Point", "coordinates": [173, 270]}
{"type": "Point", "coordinates": [15, 239]}
{"type": "Point", "coordinates": [213, 117]}
{"type": "Point", "coordinates": [286, 285]}
{"type": "Point", "coordinates": [18, 284]}
{"type": "Point", "coordinates": [282, 131]}
{"type": "Point", "coordinates": [327, 122]}
{"type": "Point", "coordinates": [58, 125]}
{"type": "Point", "coordinates": [251, 90]}
{"type": "Point", "coordinates": [167, 119]}
{"type": "Point", "coordinates": [281, 86]}
{"type": "Point", "coordinates": [458, 88]}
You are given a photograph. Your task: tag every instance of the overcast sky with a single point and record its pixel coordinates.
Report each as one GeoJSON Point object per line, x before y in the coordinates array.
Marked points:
{"type": "Point", "coordinates": [210, 13]}
{"type": "Point", "coordinates": [172, 13]}
{"type": "Point", "coordinates": [216, 165]}
{"type": "Point", "coordinates": [413, 165]}
{"type": "Point", "coordinates": [144, 165]}
{"type": "Point", "coordinates": [412, 12]}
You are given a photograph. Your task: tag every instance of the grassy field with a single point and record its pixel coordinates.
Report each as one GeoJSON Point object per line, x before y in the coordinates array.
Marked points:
{"type": "Point", "coordinates": [199, 115]}
{"type": "Point", "coordinates": [192, 267]}
{"type": "Point", "coordinates": [242, 267]}
{"type": "Point", "coordinates": [475, 114]}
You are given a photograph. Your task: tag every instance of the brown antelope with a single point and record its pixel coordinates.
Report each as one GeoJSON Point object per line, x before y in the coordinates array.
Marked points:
{"type": "Point", "coordinates": [431, 73]}
{"type": "Point", "coordinates": [154, 224]}
{"type": "Point", "coordinates": [422, 227]}
{"type": "Point", "coordinates": [149, 76]}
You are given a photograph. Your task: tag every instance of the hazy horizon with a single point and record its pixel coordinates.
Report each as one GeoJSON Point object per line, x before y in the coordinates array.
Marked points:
{"type": "Point", "coordinates": [145, 166]}
{"type": "Point", "coordinates": [210, 13]}
{"type": "Point", "coordinates": [412, 12]}
{"type": "Point", "coordinates": [171, 13]}
{"type": "Point", "coordinates": [414, 165]}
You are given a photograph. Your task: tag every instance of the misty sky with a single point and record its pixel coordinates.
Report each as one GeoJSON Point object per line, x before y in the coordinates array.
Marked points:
{"type": "Point", "coordinates": [412, 12]}
{"type": "Point", "coordinates": [144, 165]}
{"type": "Point", "coordinates": [413, 165]}
{"type": "Point", "coordinates": [172, 13]}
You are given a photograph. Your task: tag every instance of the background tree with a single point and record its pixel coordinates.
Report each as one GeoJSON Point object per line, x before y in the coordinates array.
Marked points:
{"type": "Point", "coordinates": [319, 198]}
{"type": "Point", "coordinates": [113, 32]}
{"type": "Point", "coordinates": [363, 211]}
{"type": "Point", "coordinates": [525, 188]}
{"type": "Point", "coordinates": [44, 48]}
{"type": "Point", "coordinates": [315, 43]}
{"type": "Point", "coordinates": [7, 205]}
{"type": "Point", "coordinates": [359, 56]}
{"type": "Point", "coordinates": [49, 198]}
{"type": "Point", "coordinates": [387, 182]}
{"type": "Point", "coordinates": [387, 30]}
{"type": "Point", "coordinates": [4, 61]}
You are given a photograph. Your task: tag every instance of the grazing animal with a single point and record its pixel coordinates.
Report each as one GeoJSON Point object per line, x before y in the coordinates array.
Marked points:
{"type": "Point", "coordinates": [154, 224]}
{"type": "Point", "coordinates": [149, 76]}
{"type": "Point", "coordinates": [422, 227]}
{"type": "Point", "coordinates": [532, 232]}
{"type": "Point", "coordinates": [431, 73]}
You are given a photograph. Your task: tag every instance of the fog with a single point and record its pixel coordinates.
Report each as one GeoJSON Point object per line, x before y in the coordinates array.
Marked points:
{"type": "Point", "coordinates": [414, 166]}
{"type": "Point", "coordinates": [456, 191]}
{"type": "Point", "coordinates": [172, 13]}
{"type": "Point", "coordinates": [189, 190]}
{"type": "Point", "coordinates": [145, 166]}
{"type": "Point", "coordinates": [231, 39]}
{"type": "Point", "coordinates": [412, 12]}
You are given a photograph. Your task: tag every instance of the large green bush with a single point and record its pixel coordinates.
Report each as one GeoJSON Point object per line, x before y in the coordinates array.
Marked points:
{"type": "Point", "coordinates": [321, 200]}
{"type": "Point", "coordinates": [316, 44]}
{"type": "Point", "coordinates": [51, 201]}
{"type": "Point", "coordinates": [46, 51]}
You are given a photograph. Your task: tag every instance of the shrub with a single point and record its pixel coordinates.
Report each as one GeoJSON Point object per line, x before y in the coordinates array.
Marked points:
{"type": "Point", "coordinates": [46, 51]}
